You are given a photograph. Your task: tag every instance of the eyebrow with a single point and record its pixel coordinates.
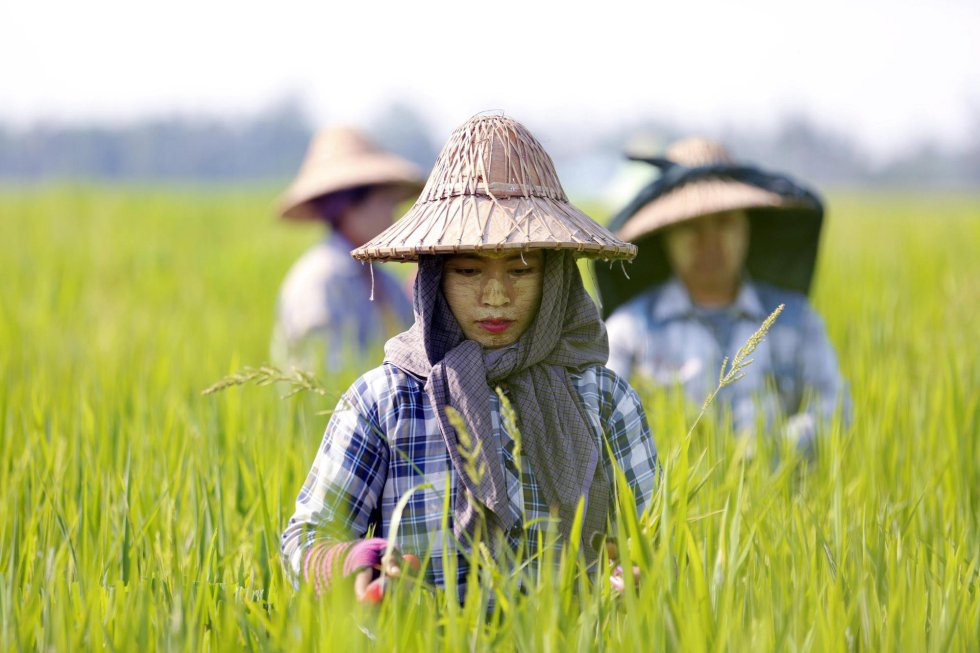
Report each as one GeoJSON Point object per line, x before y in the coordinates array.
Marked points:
{"type": "Point", "coordinates": [514, 257]}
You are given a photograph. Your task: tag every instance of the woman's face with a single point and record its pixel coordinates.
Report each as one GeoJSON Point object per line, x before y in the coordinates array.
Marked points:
{"type": "Point", "coordinates": [364, 220]}
{"type": "Point", "coordinates": [494, 297]}
{"type": "Point", "coordinates": [708, 253]}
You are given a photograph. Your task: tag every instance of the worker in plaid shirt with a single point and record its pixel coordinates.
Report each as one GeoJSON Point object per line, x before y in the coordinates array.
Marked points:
{"type": "Point", "coordinates": [487, 317]}
{"type": "Point", "coordinates": [722, 245]}
{"type": "Point", "coordinates": [351, 187]}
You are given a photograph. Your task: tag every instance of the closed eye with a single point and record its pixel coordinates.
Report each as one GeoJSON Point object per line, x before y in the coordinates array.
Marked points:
{"type": "Point", "coordinates": [522, 271]}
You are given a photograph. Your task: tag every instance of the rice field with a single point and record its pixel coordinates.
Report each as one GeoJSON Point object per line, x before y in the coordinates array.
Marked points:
{"type": "Point", "coordinates": [137, 514]}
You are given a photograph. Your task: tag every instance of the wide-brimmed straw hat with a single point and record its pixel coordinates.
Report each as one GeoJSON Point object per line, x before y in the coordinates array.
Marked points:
{"type": "Point", "coordinates": [493, 188]}
{"type": "Point", "coordinates": [341, 158]}
{"type": "Point", "coordinates": [699, 177]}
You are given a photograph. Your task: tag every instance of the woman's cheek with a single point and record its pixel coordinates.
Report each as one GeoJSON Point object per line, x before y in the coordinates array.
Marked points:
{"type": "Point", "coordinates": [527, 291]}
{"type": "Point", "coordinates": [461, 290]}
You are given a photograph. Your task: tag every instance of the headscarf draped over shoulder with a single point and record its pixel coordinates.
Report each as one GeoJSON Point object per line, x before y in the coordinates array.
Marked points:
{"type": "Point", "coordinates": [564, 453]}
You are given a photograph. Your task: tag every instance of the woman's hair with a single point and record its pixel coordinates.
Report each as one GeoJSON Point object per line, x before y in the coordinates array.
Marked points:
{"type": "Point", "coordinates": [331, 206]}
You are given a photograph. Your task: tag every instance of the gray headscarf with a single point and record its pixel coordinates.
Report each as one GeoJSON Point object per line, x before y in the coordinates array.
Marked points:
{"type": "Point", "coordinates": [566, 337]}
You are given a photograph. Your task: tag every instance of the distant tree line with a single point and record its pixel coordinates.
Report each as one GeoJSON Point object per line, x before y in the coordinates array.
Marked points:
{"type": "Point", "coordinates": [271, 143]}
{"type": "Point", "coordinates": [800, 146]}
{"type": "Point", "coordinates": [268, 144]}
{"type": "Point", "coordinates": [831, 157]}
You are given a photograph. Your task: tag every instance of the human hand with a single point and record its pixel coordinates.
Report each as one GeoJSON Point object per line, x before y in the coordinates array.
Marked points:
{"type": "Point", "coordinates": [374, 564]}
{"type": "Point", "coordinates": [801, 431]}
{"type": "Point", "coordinates": [616, 580]}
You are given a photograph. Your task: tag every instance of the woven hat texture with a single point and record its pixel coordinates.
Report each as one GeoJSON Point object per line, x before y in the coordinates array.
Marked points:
{"type": "Point", "coordinates": [341, 158]}
{"type": "Point", "coordinates": [700, 197]}
{"type": "Point", "coordinates": [493, 188]}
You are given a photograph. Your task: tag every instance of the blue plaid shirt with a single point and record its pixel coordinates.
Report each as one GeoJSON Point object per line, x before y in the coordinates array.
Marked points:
{"type": "Point", "coordinates": [383, 440]}
{"type": "Point", "coordinates": [661, 337]}
{"type": "Point", "coordinates": [324, 311]}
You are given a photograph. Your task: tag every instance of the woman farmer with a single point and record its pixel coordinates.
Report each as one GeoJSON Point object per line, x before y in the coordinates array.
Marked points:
{"type": "Point", "coordinates": [499, 304]}
{"type": "Point", "coordinates": [352, 187]}
{"type": "Point", "coordinates": [721, 246]}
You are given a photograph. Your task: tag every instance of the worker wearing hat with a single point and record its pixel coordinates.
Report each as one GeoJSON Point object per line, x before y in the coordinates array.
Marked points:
{"type": "Point", "coordinates": [331, 306]}
{"type": "Point", "coordinates": [721, 245]}
{"type": "Point", "coordinates": [500, 310]}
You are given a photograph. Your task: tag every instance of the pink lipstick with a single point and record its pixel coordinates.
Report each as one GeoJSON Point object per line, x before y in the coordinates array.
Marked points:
{"type": "Point", "coordinates": [495, 326]}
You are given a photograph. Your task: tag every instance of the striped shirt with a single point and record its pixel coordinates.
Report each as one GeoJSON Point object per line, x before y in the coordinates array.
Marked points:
{"type": "Point", "coordinates": [383, 441]}
{"type": "Point", "coordinates": [662, 337]}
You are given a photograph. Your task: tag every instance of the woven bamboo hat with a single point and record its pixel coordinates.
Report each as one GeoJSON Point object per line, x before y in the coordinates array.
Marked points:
{"type": "Point", "coordinates": [341, 158]}
{"type": "Point", "coordinates": [699, 177]}
{"type": "Point", "coordinates": [704, 196]}
{"type": "Point", "coordinates": [493, 188]}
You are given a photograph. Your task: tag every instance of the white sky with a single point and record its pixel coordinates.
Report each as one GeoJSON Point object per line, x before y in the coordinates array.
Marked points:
{"type": "Point", "coordinates": [891, 72]}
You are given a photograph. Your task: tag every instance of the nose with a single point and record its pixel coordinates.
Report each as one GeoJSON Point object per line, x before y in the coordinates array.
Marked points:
{"type": "Point", "coordinates": [494, 294]}
{"type": "Point", "coordinates": [709, 238]}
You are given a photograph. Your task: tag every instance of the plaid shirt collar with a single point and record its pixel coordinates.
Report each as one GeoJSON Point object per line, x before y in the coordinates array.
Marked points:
{"type": "Point", "coordinates": [674, 302]}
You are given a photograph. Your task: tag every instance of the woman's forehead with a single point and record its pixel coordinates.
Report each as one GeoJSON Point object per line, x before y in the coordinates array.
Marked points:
{"type": "Point", "coordinates": [506, 256]}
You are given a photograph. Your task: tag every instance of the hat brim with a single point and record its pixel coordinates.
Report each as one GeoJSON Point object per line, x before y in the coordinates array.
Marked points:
{"type": "Point", "coordinates": [478, 223]}
{"type": "Point", "coordinates": [696, 200]}
{"type": "Point", "coordinates": [377, 170]}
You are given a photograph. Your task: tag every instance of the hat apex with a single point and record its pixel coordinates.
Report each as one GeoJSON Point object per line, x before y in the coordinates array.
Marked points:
{"type": "Point", "coordinates": [493, 188]}
{"type": "Point", "coordinates": [698, 151]}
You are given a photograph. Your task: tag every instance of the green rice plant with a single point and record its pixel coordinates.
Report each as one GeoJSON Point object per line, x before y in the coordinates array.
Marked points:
{"type": "Point", "coordinates": [137, 513]}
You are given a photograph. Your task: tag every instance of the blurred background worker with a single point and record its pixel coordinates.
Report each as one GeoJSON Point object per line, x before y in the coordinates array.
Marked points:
{"type": "Point", "coordinates": [328, 300]}
{"type": "Point", "coordinates": [721, 245]}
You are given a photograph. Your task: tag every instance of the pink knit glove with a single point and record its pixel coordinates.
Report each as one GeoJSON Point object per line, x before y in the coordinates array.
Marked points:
{"type": "Point", "coordinates": [365, 553]}
{"type": "Point", "coordinates": [320, 562]}
{"type": "Point", "coordinates": [322, 559]}
{"type": "Point", "coordinates": [617, 582]}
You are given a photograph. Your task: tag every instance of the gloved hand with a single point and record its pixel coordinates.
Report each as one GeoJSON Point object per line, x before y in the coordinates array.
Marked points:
{"type": "Point", "coordinates": [616, 580]}
{"type": "Point", "coordinates": [366, 558]}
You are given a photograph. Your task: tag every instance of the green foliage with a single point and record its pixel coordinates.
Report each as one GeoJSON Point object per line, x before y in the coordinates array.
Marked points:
{"type": "Point", "coordinates": [139, 514]}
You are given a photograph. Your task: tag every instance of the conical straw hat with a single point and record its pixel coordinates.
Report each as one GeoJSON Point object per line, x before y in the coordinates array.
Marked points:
{"type": "Point", "coordinates": [701, 197]}
{"type": "Point", "coordinates": [699, 177]}
{"type": "Point", "coordinates": [340, 158]}
{"type": "Point", "coordinates": [493, 188]}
